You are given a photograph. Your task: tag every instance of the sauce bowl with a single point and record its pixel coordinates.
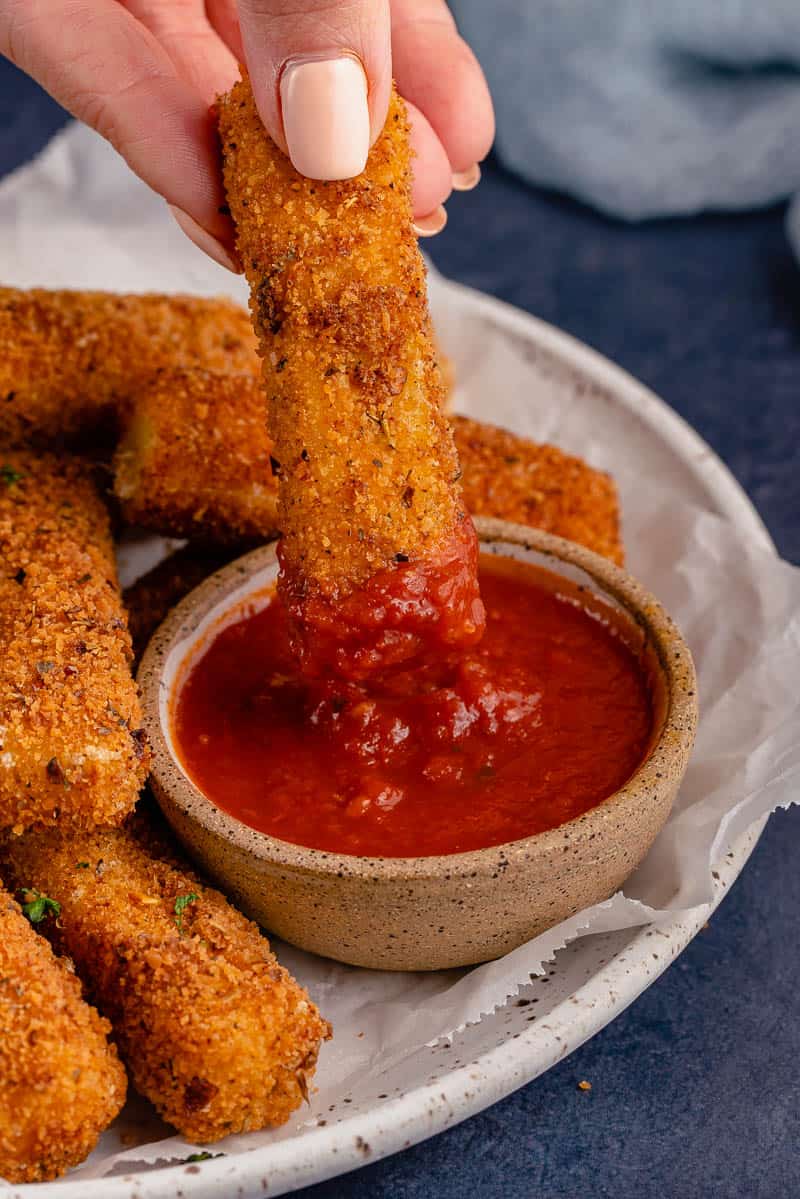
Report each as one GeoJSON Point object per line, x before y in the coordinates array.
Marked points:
{"type": "Point", "coordinates": [427, 913]}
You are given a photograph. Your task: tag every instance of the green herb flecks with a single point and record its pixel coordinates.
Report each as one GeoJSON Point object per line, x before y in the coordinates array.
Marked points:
{"type": "Point", "coordinates": [182, 902]}
{"type": "Point", "coordinates": [9, 476]}
{"type": "Point", "coordinates": [38, 906]}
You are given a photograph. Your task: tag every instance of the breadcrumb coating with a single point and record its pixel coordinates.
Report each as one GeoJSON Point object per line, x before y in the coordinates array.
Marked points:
{"type": "Point", "coordinates": [198, 472]}
{"type": "Point", "coordinates": [194, 459]}
{"type": "Point", "coordinates": [538, 485]}
{"type": "Point", "coordinates": [61, 1082]}
{"type": "Point", "coordinates": [69, 360]}
{"type": "Point", "coordinates": [71, 747]}
{"type": "Point", "coordinates": [215, 1033]}
{"type": "Point", "coordinates": [150, 598]}
{"type": "Point", "coordinates": [366, 461]}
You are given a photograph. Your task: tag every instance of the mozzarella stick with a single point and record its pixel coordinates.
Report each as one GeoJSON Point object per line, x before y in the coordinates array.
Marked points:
{"type": "Point", "coordinates": [509, 477]}
{"type": "Point", "coordinates": [194, 459]}
{"type": "Point", "coordinates": [61, 1082]}
{"type": "Point", "coordinates": [378, 556]}
{"type": "Point", "coordinates": [193, 463]}
{"type": "Point", "coordinates": [69, 360]}
{"type": "Point", "coordinates": [71, 748]}
{"type": "Point", "coordinates": [215, 1033]}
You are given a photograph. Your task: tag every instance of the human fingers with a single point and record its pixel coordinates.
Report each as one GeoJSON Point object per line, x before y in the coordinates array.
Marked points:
{"type": "Point", "coordinates": [432, 176]}
{"type": "Point", "coordinates": [321, 76]}
{"type": "Point", "coordinates": [198, 52]}
{"type": "Point", "coordinates": [436, 70]}
{"type": "Point", "coordinates": [110, 71]}
{"type": "Point", "coordinates": [224, 18]}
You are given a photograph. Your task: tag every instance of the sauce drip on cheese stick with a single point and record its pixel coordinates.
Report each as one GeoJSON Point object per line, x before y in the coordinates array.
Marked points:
{"type": "Point", "coordinates": [378, 554]}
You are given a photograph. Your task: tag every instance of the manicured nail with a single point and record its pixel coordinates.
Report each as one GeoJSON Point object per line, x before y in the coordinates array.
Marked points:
{"type": "Point", "coordinates": [326, 116]}
{"type": "Point", "coordinates": [201, 238]}
{"type": "Point", "coordinates": [464, 181]}
{"type": "Point", "coordinates": [433, 223]}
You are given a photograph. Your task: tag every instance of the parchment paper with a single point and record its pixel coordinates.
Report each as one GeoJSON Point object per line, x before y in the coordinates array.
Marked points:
{"type": "Point", "coordinates": [76, 218]}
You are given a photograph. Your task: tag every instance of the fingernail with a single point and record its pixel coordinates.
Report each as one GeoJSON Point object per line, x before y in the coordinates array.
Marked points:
{"type": "Point", "coordinates": [326, 116]}
{"type": "Point", "coordinates": [464, 181]}
{"type": "Point", "coordinates": [204, 240]}
{"type": "Point", "coordinates": [433, 223]}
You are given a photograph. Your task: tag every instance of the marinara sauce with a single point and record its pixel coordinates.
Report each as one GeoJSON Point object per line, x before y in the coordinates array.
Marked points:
{"type": "Point", "coordinates": [432, 604]}
{"type": "Point", "coordinates": [548, 715]}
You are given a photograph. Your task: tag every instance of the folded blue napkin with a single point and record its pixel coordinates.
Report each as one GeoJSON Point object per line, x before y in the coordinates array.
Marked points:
{"type": "Point", "coordinates": [646, 108]}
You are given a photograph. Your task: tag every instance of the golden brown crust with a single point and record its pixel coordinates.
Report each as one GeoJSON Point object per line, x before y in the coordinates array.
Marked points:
{"type": "Point", "coordinates": [214, 1032]}
{"type": "Point", "coordinates": [151, 597]}
{"type": "Point", "coordinates": [61, 1082]}
{"type": "Point", "coordinates": [514, 479]}
{"type": "Point", "coordinates": [367, 464]}
{"type": "Point", "coordinates": [504, 475]}
{"type": "Point", "coordinates": [71, 748]}
{"type": "Point", "coordinates": [194, 460]}
{"type": "Point", "coordinates": [70, 359]}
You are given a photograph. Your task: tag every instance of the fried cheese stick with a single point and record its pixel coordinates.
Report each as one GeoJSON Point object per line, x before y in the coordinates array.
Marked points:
{"type": "Point", "coordinates": [192, 463]}
{"type": "Point", "coordinates": [215, 1033]}
{"type": "Point", "coordinates": [61, 1082]}
{"type": "Point", "coordinates": [509, 477]}
{"type": "Point", "coordinates": [70, 359]}
{"type": "Point", "coordinates": [71, 748]}
{"type": "Point", "coordinates": [378, 555]}
{"type": "Point", "coordinates": [194, 459]}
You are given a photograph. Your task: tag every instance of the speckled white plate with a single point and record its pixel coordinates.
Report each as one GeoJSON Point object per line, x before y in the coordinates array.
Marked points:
{"type": "Point", "coordinates": [595, 978]}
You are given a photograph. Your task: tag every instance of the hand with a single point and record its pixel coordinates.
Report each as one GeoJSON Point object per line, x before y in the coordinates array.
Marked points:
{"type": "Point", "coordinates": [144, 72]}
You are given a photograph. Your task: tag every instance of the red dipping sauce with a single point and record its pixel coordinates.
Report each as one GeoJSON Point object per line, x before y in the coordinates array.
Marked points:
{"type": "Point", "coordinates": [547, 716]}
{"type": "Point", "coordinates": [431, 605]}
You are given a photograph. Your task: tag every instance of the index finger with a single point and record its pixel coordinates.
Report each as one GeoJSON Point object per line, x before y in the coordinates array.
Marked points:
{"type": "Point", "coordinates": [436, 70]}
{"type": "Point", "coordinates": [108, 70]}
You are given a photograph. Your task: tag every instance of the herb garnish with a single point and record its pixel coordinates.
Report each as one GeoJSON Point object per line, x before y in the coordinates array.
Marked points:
{"type": "Point", "coordinates": [205, 1156]}
{"type": "Point", "coordinates": [181, 904]}
{"type": "Point", "coordinates": [40, 906]}
{"type": "Point", "coordinates": [10, 476]}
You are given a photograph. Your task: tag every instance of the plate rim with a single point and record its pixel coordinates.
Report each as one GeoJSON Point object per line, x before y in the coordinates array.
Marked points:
{"type": "Point", "coordinates": [430, 1108]}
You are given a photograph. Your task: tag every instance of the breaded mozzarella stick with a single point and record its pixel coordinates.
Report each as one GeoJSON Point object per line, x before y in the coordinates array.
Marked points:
{"type": "Point", "coordinates": [378, 554]}
{"type": "Point", "coordinates": [72, 751]}
{"type": "Point", "coordinates": [69, 360]}
{"type": "Point", "coordinates": [61, 1082]}
{"type": "Point", "coordinates": [195, 463]}
{"type": "Point", "coordinates": [194, 459]}
{"type": "Point", "coordinates": [215, 1033]}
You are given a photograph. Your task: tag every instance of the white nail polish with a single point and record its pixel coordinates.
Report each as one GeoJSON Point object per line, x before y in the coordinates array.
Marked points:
{"type": "Point", "coordinates": [326, 116]}
{"type": "Point", "coordinates": [433, 223]}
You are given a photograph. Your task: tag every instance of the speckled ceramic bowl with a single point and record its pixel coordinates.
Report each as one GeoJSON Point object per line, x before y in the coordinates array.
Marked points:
{"type": "Point", "coordinates": [433, 912]}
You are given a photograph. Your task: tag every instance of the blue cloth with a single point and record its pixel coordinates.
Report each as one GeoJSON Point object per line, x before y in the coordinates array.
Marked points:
{"type": "Point", "coordinates": [646, 108]}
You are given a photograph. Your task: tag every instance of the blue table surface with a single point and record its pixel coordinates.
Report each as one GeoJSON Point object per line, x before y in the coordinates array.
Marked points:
{"type": "Point", "coordinates": [695, 1087]}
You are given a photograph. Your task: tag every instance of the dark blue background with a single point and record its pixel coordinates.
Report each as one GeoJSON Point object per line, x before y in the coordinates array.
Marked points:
{"type": "Point", "coordinates": [695, 1088]}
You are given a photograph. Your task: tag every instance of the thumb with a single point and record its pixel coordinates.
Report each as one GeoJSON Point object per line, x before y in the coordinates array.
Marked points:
{"type": "Point", "coordinates": [321, 74]}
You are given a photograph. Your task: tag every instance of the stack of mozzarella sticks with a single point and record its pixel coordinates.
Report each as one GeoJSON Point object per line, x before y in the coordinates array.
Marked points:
{"type": "Point", "coordinates": [116, 959]}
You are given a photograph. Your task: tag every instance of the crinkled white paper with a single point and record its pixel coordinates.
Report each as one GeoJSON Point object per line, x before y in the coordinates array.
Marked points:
{"type": "Point", "coordinates": [76, 218]}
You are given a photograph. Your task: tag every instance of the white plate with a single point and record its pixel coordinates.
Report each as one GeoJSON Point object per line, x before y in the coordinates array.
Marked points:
{"type": "Point", "coordinates": [595, 978]}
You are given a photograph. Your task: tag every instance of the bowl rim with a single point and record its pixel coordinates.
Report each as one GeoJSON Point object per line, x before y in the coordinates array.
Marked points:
{"type": "Point", "coordinates": [665, 760]}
